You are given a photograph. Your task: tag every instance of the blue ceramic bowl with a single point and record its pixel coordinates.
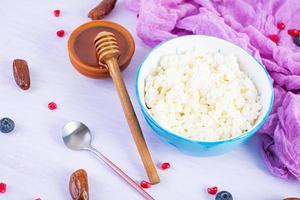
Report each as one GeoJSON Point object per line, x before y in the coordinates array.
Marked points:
{"type": "Point", "coordinates": [249, 64]}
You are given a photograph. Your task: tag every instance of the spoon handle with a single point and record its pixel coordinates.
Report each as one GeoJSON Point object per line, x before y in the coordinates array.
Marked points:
{"type": "Point", "coordinates": [121, 173]}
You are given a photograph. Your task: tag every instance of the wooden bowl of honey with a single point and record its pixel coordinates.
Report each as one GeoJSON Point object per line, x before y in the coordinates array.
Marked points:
{"type": "Point", "coordinates": [82, 52]}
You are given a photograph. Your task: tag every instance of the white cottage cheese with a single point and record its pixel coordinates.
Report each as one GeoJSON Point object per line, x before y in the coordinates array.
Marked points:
{"type": "Point", "coordinates": [202, 96]}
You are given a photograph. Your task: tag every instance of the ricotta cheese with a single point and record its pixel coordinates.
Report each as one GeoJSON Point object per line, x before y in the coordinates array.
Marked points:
{"type": "Point", "coordinates": [202, 96]}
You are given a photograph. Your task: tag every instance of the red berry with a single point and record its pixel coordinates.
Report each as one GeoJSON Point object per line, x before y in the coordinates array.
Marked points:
{"type": "Point", "coordinates": [294, 32]}
{"type": "Point", "coordinates": [165, 165]}
{"type": "Point", "coordinates": [56, 13]}
{"type": "Point", "coordinates": [274, 38]}
{"type": "Point", "coordinates": [60, 33]}
{"type": "Point", "coordinates": [38, 199]}
{"type": "Point", "coordinates": [212, 190]}
{"type": "Point", "coordinates": [145, 184]}
{"type": "Point", "coordinates": [280, 25]}
{"type": "Point", "coordinates": [52, 106]}
{"type": "Point", "coordinates": [2, 187]}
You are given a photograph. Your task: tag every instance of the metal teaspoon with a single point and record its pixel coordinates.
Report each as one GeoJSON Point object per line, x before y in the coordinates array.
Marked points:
{"type": "Point", "coordinates": [77, 136]}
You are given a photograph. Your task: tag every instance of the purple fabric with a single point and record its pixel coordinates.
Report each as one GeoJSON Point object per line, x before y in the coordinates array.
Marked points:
{"type": "Point", "coordinates": [246, 23]}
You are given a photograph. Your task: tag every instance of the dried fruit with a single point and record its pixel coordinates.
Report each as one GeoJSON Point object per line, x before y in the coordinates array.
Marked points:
{"type": "Point", "coordinates": [280, 25]}
{"type": "Point", "coordinates": [145, 184]}
{"type": "Point", "coordinates": [52, 105]}
{"type": "Point", "coordinates": [2, 187]}
{"type": "Point", "coordinates": [102, 9]}
{"type": "Point", "coordinates": [274, 38]}
{"type": "Point", "coordinates": [165, 165]}
{"type": "Point", "coordinates": [292, 198]}
{"type": "Point", "coordinates": [56, 12]}
{"type": "Point", "coordinates": [21, 73]}
{"type": "Point", "coordinates": [78, 185]}
{"type": "Point", "coordinates": [7, 125]}
{"type": "Point", "coordinates": [212, 190]}
{"type": "Point", "coordinates": [60, 33]}
{"type": "Point", "coordinates": [294, 32]}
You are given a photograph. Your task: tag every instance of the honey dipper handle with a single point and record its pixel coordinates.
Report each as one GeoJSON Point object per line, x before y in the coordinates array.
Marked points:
{"type": "Point", "coordinates": [132, 120]}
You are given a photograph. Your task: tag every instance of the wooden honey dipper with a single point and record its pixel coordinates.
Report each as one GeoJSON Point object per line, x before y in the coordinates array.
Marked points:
{"type": "Point", "coordinates": [108, 53]}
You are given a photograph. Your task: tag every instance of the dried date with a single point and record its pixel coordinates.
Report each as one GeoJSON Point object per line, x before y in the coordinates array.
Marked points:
{"type": "Point", "coordinates": [21, 73]}
{"type": "Point", "coordinates": [78, 185]}
{"type": "Point", "coordinates": [102, 9]}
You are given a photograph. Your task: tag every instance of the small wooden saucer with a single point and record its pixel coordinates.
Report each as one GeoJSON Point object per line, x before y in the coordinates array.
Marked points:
{"type": "Point", "coordinates": [82, 52]}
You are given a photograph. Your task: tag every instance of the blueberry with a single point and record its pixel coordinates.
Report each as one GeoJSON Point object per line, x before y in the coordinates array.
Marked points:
{"type": "Point", "coordinates": [297, 41]}
{"type": "Point", "coordinates": [6, 125]}
{"type": "Point", "coordinates": [224, 195]}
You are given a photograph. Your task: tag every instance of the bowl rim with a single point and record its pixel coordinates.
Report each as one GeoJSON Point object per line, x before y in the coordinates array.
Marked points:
{"type": "Point", "coordinates": [177, 136]}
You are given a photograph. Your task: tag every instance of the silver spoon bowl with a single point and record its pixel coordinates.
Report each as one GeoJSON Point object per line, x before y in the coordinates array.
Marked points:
{"type": "Point", "coordinates": [77, 136]}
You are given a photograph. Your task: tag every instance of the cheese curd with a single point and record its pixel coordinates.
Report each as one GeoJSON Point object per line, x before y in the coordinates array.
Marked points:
{"type": "Point", "coordinates": [202, 96]}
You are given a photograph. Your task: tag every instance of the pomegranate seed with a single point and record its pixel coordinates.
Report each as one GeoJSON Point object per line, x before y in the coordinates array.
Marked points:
{"type": "Point", "coordinates": [60, 33]}
{"type": "Point", "coordinates": [145, 184]}
{"type": "Point", "coordinates": [2, 187]}
{"type": "Point", "coordinates": [56, 13]}
{"type": "Point", "coordinates": [212, 190]}
{"type": "Point", "coordinates": [274, 38]}
{"type": "Point", "coordinates": [280, 25]}
{"type": "Point", "coordinates": [165, 165]}
{"type": "Point", "coordinates": [52, 106]}
{"type": "Point", "coordinates": [294, 32]}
